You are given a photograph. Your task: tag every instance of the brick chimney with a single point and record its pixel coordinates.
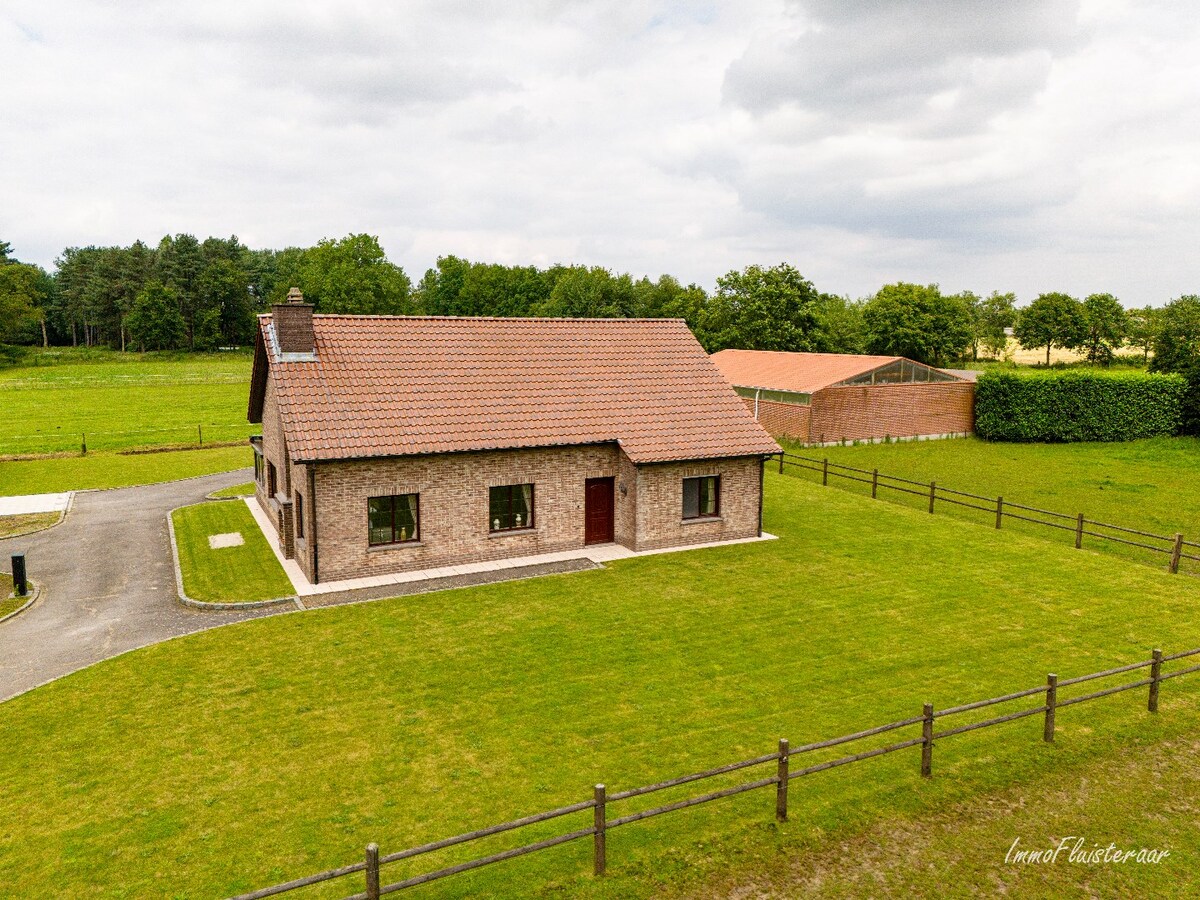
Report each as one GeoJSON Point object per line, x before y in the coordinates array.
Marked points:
{"type": "Point", "coordinates": [293, 324]}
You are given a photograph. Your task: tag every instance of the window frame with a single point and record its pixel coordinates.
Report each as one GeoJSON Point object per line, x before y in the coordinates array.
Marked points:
{"type": "Point", "coordinates": [272, 479]}
{"type": "Point", "coordinates": [526, 526]}
{"type": "Point", "coordinates": [299, 507]}
{"type": "Point", "coordinates": [701, 516]}
{"type": "Point", "coordinates": [416, 535]}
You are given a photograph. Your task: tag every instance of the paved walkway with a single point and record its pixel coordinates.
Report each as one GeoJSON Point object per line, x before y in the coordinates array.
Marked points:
{"type": "Point", "coordinates": [107, 583]}
{"type": "Point", "coordinates": [34, 503]}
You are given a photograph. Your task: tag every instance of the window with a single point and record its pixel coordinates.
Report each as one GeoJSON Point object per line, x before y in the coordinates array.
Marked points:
{"type": "Point", "coordinates": [258, 468]}
{"type": "Point", "coordinates": [393, 520]}
{"type": "Point", "coordinates": [702, 497]}
{"type": "Point", "coordinates": [510, 506]}
{"type": "Point", "coordinates": [299, 515]}
{"type": "Point", "coordinates": [272, 483]}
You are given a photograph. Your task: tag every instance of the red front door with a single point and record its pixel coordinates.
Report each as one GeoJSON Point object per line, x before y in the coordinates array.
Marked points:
{"type": "Point", "coordinates": [598, 511]}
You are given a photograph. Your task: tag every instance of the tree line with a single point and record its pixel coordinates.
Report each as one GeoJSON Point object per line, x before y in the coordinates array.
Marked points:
{"type": "Point", "coordinates": [186, 293]}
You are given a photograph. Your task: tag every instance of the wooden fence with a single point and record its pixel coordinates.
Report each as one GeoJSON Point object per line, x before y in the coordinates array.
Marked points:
{"type": "Point", "coordinates": [784, 773]}
{"type": "Point", "coordinates": [1173, 547]}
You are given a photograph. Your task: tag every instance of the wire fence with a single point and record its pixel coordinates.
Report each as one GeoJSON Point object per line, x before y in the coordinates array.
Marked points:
{"type": "Point", "coordinates": [1173, 547]}
{"type": "Point", "coordinates": [200, 434]}
{"type": "Point", "coordinates": [601, 803]}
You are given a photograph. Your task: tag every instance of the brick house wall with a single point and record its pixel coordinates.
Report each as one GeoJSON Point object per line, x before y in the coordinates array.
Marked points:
{"type": "Point", "coordinates": [660, 521]}
{"type": "Point", "coordinates": [274, 450]}
{"type": "Point", "coordinates": [891, 410]}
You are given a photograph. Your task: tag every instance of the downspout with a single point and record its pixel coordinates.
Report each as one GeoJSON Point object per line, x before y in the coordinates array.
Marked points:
{"type": "Point", "coordinates": [312, 514]}
{"type": "Point", "coordinates": [757, 391]}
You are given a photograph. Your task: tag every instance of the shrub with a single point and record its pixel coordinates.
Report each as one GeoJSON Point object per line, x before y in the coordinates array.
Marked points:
{"type": "Point", "coordinates": [1072, 405]}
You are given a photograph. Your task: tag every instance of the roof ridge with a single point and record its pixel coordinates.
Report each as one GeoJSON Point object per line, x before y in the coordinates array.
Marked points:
{"type": "Point", "coordinates": [630, 319]}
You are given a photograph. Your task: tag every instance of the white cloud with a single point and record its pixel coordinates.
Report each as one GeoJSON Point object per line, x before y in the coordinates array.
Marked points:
{"type": "Point", "coordinates": [1032, 145]}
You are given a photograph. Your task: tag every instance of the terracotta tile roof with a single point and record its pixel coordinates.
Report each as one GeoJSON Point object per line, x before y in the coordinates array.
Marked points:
{"type": "Point", "coordinates": [804, 373]}
{"type": "Point", "coordinates": [399, 385]}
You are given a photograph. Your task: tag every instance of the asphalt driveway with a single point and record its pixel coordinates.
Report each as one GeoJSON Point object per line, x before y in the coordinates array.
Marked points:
{"type": "Point", "coordinates": [108, 584]}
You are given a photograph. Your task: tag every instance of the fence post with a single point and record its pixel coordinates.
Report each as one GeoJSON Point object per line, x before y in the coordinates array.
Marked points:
{"type": "Point", "coordinates": [1051, 705]}
{"type": "Point", "coordinates": [600, 823]}
{"type": "Point", "coordinates": [781, 787]}
{"type": "Point", "coordinates": [1155, 678]}
{"type": "Point", "coordinates": [875, 485]}
{"type": "Point", "coordinates": [932, 495]}
{"type": "Point", "coordinates": [927, 741]}
{"type": "Point", "coordinates": [83, 444]}
{"type": "Point", "coordinates": [372, 871]}
{"type": "Point", "coordinates": [1176, 552]}
{"type": "Point", "coordinates": [1079, 532]}
{"type": "Point", "coordinates": [200, 434]}
{"type": "Point", "coordinates": [999, 512]}
{"type": "Point", "coordinates": [825, 472]}
{"type": "Point", "coordinates": [780, 463]}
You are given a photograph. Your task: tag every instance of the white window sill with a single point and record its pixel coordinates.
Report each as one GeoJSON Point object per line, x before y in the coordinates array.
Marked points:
{"type": "Point", "coordinates": [700, 520]}
{"type": "Point", "coordinates": [508, 532]}
{"type": "Point", "coordinates": [400, 545]}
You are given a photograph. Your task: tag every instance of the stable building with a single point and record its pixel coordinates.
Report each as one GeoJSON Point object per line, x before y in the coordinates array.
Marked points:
{"type": "Point", "coordinates": [824, 398]}
{"type": "Point", "coordinates": [398, 443]}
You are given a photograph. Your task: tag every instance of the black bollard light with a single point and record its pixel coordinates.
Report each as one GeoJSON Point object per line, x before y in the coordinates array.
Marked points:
{"type": "Point", "coordinates": [18, 574]}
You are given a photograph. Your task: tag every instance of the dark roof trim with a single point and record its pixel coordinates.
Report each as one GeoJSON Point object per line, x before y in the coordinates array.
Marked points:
{"type": "Point", "coordinates": [258, 379]}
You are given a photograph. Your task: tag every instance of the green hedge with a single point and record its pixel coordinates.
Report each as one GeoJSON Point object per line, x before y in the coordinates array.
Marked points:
{"type": "Point", "coordinates": [1079, 405]}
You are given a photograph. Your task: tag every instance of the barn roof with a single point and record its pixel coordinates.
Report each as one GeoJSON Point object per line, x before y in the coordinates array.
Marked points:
{"type": "Point", "coordinates": [406, 385]}
{"type": "Point", "coordinates": [801, 373]}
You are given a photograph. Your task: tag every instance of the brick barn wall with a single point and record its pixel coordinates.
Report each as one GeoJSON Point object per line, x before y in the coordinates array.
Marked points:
{"type": "Point", "coordinates": [891, 410]}
{"type": "Point", "coordinates": [786, 420]}
{"type": "Point", "coordinates": [453, 491]}
{"type": "Point", "coordinates": [660, 503]}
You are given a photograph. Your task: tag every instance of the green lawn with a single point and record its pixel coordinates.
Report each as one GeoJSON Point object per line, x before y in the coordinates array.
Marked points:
{"type": "Point", "coordinates": [109, 470]}
{"type": "Point", "coordinates": [237, 490]}
{"type": "Point", "coordinates": [122, 400]}
{"type": "Point", "coordinates": [230, 574]}
{"type": "Point", "coordinates": [255, 753]}
{"type": "Point", "coordinates": [12, 526]}
{"type": "Point", "coordinates": [9, 603]}
{"type": "Point", "coordinates": [1151, 485]}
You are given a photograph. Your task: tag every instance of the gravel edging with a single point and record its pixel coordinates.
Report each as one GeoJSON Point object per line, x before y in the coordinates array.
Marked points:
{"type": "Point", "coordinates": [33, 596]}
{"type": "Point", "coordinates": [181, 594]}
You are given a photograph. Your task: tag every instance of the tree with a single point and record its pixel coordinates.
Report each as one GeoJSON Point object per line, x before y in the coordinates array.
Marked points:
{"type": "Point", "coordinates": [996, 314]}
{"type": "Point", "coordinates": [1107, 325]}
{"type": "Point", "coordinates": [353, 275]}
{"type": "Point", "coordinates": [840, 327]}
{"type": "Point", "coordinates": [155, 322]}
{"type": "Point", "coordinates": [919, 322]}
{"type": "Point", "coordinates": [226, 314]}
{"type": "Point", "coordinates": [583, 292]}
{"type": "Point", "coordinates": [1052, 320]}
{"type": "Point", "coordinates": [23, 293]}
{"type": "Point", "coordinates": [1143, 329]}
{"type": "Point", "coordinates": [1177, 344]}
{"type": "Point", "coordinates": [761, 309]}
{"type": "Point", "coordinates": [6, 256]}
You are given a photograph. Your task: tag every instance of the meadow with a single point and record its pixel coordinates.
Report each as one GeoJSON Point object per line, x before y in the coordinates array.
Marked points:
{"type": "Point", "coordinates": [250, 754]}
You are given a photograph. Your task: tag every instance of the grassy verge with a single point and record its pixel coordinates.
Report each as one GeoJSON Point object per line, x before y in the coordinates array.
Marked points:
{"type": "Point", "coordinates": [13, 526]}
{"type": "Point", "coordinates": [237, 490]}
{"type": "Point", "coordinates": [281, 746]}
{"type": "Point", "coordinates": [240, 574]}
{"type": "Point", "coordinates": [9, 604]}
{"type": "Point", "coordinates": [109, 470]}
{"type": "Point", "coordinates": [123, 400]}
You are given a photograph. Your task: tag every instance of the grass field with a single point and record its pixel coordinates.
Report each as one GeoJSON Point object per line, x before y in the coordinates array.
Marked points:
{"type": "Point", "coordinates": [237, 490]}
{"type": "Point", "coordinates": [1152, 485]}
{"type": "Point", "coordinates": [123, 400]}
{"type": "Point", "coordinates": [8, 603]}
{"type": "Point", "coordinates": [11, 526]}
{"type": "Point", "coordinates": [109, 470]}
{"type": "Point", "coordinates": [281, 746]}
{"type": "Point", "coordinates": [230, 574]}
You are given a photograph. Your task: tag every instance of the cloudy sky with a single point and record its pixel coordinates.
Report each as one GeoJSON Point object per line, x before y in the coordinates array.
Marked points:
{"type": "Point", "coordinates": [1021, 145]}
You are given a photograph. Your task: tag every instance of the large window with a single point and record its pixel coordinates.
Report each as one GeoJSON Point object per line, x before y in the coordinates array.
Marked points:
{"type": "Point", "coordinates": [702, 497]}
{"type": "Point", "coordinates": [393, 520]}
{"type": "Point", "coordinates": [272, 479]}
{"type": "Point", "coordinates": [299, 515]}
{"type": "Point", "coordinates": [510, 506]}
{"type": "Point", "coordinates": [258, 467]}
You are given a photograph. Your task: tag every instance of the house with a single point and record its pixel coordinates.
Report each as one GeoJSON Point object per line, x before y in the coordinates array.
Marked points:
{"type": "Point", "coordinates": [824, 398]}
{"type": "Point", "coordinates": [394, 443]}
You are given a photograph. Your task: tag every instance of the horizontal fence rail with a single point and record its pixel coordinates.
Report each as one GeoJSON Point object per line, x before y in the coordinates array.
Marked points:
{"type": "Point", "coordinates": [601, 801]}
{"type": "Point", "coordinates": [1173, 547]}
{"type": "Point", "coordinates": [199, 434]}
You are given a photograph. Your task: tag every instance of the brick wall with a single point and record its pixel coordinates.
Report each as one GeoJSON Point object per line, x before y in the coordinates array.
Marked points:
{"type": "Point", "coordinates": [787, 420]}
{"type": "Point", "coordinates": [891, 410]}
{"type": "Point", "coordinates": [660, 520]}
{"type": "Point", "coordinates": [453, 491]}
{"type": "Point", "coordinates": [274, 447]}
